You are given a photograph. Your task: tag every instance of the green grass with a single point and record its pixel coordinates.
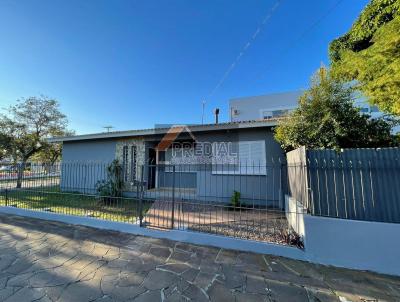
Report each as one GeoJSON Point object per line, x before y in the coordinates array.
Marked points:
{"type": "Point", "coordinates": [51, 199]}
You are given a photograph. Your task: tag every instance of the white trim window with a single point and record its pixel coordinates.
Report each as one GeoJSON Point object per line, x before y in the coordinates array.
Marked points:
{"type": "Point", "coordinates": [251, 160]}
{"type": "Point", "coordinates": [275, 112]}
{"type": "Point", "coordinates": [266, 114]}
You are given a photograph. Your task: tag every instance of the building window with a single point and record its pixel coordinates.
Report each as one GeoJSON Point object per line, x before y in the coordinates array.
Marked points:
{"type": "Point", "coordinates": [125, 163]}
{"type": "Point", "coordinates": [251, 160]}
{"type": "Point", "coordinates": [279, 113]}
{"type": "Point", "coordinates": [133, 162]}
{"type": "Point", "coordinates": [374, 109]}
{"type": "Point", "coordinates": [266, 114]}
{"type": "Point", "coordinates": [252, 157]}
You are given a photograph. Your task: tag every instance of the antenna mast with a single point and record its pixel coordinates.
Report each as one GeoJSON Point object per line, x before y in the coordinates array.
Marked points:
{"type": "Point", "coordinates": [108, 128]}
{"type": "Point", "coordinates": [203, 104]}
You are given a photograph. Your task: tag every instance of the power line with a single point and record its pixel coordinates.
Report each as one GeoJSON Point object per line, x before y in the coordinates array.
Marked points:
{"type": "Point", "coordinates": [245, 48]}
{"type": "Point", "coordinates": [254, 36]}
{"type": "Point", "coordinates": [303, 34]}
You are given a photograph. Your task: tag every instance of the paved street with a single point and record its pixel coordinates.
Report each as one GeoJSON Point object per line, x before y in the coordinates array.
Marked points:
{"type": "Point", "coordinates": [49, 261]}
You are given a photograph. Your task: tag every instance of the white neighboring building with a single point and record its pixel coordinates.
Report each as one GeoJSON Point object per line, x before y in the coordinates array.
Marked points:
{"type": "Point", "coordinates": [365, 107]}
{"type": "Point", "coordinates": [263, 106]}
{"type": "Point", "coordinates": [279, 104]}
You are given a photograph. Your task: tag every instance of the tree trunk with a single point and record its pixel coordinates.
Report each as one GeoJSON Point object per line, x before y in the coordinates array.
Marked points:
{"type": "Point", "coordinates": [20, 173]}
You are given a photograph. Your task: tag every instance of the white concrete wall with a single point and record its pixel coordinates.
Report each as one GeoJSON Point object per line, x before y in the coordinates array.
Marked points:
{"type": "Point", "coordinates": [353, 244]}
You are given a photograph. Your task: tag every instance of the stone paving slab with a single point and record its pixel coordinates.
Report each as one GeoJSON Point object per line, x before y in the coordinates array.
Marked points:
{"type": "Point", "coordinates": [50, 261]}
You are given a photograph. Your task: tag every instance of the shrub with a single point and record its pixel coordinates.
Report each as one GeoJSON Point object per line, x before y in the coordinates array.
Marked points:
{"type": "Point", "coordinates": [111, 187]}
{"type": "Point", "coordinates": [235, 199]}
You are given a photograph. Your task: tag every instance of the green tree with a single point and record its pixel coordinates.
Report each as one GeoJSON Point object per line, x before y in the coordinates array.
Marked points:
{"type": "Point", "coordinates": [51, 152]}
{"type": "Point", "coordinates": [327, 118]}
{"type": "Point", "coordinates": [28, 124]}
{"type": "Point", "coordinates": [369, 53]}
{"type": "Point", "coordinates": [5, 143]}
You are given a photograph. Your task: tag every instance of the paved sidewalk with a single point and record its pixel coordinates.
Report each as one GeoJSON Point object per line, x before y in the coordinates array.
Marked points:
{"type": "Point", "coordinates": [49, 261]}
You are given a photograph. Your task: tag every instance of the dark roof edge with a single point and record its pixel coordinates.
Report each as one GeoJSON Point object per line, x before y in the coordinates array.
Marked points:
{"type": "Point", "coordinates": [155, 131]}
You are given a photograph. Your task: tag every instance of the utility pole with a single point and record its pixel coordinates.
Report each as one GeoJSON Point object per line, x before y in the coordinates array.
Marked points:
{"type": "Point", "coordinates": [203, 103]}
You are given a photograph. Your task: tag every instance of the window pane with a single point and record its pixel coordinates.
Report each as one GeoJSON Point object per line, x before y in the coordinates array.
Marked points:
{"type": "Point", "coordinates": [251, 160]}
{"type": "Point", "coordinates": [374, 109]}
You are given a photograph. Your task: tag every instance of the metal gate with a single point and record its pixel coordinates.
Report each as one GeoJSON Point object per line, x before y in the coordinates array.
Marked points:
{"type": "Point", "coordinates": [233, 204]}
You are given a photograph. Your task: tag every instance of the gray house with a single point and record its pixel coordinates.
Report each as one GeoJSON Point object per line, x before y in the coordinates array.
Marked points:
{"type": "Point", "coordinates": [201, 162]}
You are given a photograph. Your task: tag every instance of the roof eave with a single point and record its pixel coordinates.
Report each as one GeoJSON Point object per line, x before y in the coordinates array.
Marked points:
{"type": "Point", "coordinates": [161, 131]}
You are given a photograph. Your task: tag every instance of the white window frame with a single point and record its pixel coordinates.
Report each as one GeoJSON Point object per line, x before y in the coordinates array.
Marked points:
{"type": "Point", "coordinates": [245, 168]}
{"type": "Point", "coordinates": [272, 109]}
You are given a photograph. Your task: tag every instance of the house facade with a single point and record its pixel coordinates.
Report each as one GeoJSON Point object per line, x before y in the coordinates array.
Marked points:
{"type": "Point", "coordinates": [201, 162]}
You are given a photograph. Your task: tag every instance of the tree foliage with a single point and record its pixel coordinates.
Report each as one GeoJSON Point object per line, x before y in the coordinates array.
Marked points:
{"type": "Point", "coordinates": [370, 54]}
{"type": "Point", "coordinates": [5, 142]}
{"type": "Point", "coordinates": [51, 152]}
{"type": "Point", "coordinates": [327, 118]}
{"type": "Point", "coordinates": [27, 126]}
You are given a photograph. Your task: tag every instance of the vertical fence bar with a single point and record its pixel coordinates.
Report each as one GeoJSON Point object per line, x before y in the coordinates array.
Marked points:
{"type": "Point", "coordinates": [280, 185]}
{"type": "Point", "coordinates": [173, 197]}
{"type": "Point", "coordinates": [139, 195]}
{"type": "Point", "coordinates": [335, 187]}
{"type": "Point", "coordinates": [364, 209]}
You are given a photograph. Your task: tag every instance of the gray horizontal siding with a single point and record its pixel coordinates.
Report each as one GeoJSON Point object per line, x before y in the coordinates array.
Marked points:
{"type": "Point", "coordinates": [182, 179]}
{"type": "Point", "coordinates": [89, 151]}
{"type": "Point", "coordinates": [84, 164]}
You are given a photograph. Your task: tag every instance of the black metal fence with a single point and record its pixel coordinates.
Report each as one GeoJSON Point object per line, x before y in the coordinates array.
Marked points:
{"type": "Point", "coordinates": [244, 201]}
{"type": "Point", "coordinates": [37, 186]}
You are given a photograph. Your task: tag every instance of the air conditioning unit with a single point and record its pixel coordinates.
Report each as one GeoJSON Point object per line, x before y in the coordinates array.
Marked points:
{"type": "Point", "coordinates": [235, 112]}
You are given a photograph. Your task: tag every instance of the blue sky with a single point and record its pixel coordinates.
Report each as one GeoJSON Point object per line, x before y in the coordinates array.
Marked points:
{"type": "Point", "coordinates": [132, 64]}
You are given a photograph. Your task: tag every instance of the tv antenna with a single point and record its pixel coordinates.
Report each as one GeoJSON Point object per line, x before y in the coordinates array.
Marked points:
{"type": "Point", "coordinates": [108, 128]}
{"type": "Point", "coordinates": [203, 104]}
